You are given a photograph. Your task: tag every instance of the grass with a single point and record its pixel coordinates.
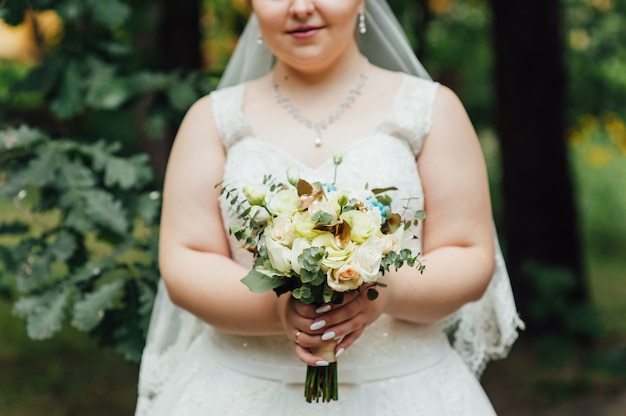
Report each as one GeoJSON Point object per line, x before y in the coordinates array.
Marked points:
{"type": "Point", "coordinates": [607, 282]}
{"type": "Point", "coordinates": [65, 376]}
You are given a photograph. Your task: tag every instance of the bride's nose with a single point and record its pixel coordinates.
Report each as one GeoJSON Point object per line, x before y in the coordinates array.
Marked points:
{"type": "Point", "coordinates": [302, 8]}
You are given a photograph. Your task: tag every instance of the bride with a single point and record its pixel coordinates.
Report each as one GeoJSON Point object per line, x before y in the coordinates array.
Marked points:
{"type": "Point", "coordinates": [310, 79]}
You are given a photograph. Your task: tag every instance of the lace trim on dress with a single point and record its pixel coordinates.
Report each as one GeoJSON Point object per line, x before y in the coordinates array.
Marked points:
{"type": "Point", "coordinates": [227, 107]}
{"type": "Point", "coordinates": [411, 117]}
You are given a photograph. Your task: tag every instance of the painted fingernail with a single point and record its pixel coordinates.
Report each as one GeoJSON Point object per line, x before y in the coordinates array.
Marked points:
{"type": "Point", "coordinates": [322, 309]}
{"type": "Point", "coordinates": [339, 352]}
{"type": "Point", "coordinates": [328, 335]}
{"type": "Point", "coordinates": [317, 325]}
{"type": "Point", "coordinates": [321, 363]}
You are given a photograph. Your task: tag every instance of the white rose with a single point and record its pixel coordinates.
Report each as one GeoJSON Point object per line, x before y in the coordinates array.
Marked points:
{"type": "Point", "coordinates": [284, 202]}
{"type": "Point", "coordinates": [390, 242]}
{"type": "Point", "coordinates": [363, 224]}
{"type": "Point", "coordinates": [260, 214]}
{"type": "Point", "coordinates": [279, 255]}
{"type": "Point", "coordinates": [345, 278]}
{"type": "Point", "coordinates": [366, 259]}
{"type": "Point", "coordinates": [336, 256]}
{"type": "Point", "coordinates": [282, 230]}
{"type": "Point", "coordinates": [298, 246]}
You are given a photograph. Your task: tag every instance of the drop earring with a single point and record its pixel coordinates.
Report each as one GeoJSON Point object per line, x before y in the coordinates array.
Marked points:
{"type": "Point", "coordinates": [362, 26]}
{"type": "Point", "coordinates": [259, 40]}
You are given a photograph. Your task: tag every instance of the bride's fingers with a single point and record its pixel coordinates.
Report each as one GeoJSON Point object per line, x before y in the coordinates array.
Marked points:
{"type": "Point", "coordinates": [309, 358]}
{"type": "Point", "coordinates": [306, 311]}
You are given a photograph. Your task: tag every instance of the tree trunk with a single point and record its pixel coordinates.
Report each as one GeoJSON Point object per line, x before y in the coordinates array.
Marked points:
{"type": "Point", "coordinates": [179, 35]}
{"type": "Point", "coordinates": [173, 44]}
{"type": "Point", "coordinates": [540, 220]}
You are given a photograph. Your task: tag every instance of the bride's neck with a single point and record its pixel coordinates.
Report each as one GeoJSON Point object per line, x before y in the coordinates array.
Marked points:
{"type": "Point", "coordinates": [324, 75]}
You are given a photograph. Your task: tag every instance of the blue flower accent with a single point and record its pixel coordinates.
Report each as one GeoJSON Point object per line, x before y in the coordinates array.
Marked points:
{"type": "Point", "coordinates": [329, 187]}
{"type": "Point", "coordinates": [375, 203]}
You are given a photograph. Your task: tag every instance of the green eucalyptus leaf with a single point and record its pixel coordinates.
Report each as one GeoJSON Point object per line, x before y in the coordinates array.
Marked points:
{"type": "Point", "coordinates": [420, 215]}
{"type": "Point", "coordinates": [258, 282]}
{"type": "Point", "coordinates": [322, 218]}
{"type": "Point", "coordinates": [372, 293]}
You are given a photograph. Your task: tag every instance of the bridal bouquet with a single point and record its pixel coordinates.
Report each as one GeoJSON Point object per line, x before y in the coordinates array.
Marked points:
{"type": "Point", "coordinates": [319, 242]}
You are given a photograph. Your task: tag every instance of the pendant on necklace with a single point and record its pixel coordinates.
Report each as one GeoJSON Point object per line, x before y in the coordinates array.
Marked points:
{"type": "Point", "coordinates": [317, 141]}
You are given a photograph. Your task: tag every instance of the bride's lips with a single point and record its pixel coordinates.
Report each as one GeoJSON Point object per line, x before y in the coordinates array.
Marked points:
{"type": "Point", "coordinates": [304, 32]}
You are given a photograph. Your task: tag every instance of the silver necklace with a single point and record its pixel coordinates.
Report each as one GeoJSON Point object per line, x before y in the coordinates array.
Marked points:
{"type": "Point", "coordinates": [318, 126]}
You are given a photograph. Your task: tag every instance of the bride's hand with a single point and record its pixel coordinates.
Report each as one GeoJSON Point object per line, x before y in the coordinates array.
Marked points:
{"type": "Point", "coordinates": [311, 326]}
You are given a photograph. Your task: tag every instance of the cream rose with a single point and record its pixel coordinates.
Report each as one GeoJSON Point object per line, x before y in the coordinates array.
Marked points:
{"type": "Point", "coordinates": [279, 255]}
{"type": "Point", "coordinates": [298, 246]}
{"type": "Point", "coordinates": [390, 243]}
{"type": "Point", "coordinates": [282, 230]}
{"type": "Point", "coordinates": [345, 278]}
{"type": "Point", "coordinates": [363, 224]}
{"type": "Point", "coordinates": [260, 214]}
{"type": "Point", "coordinates": [283, 202]}
{"type": "Point", "coordinates": [335, 256]}
{"type": "Point", "coordinates": [324, 205]}
{"type": "Point", "coordinates": [366, 259]}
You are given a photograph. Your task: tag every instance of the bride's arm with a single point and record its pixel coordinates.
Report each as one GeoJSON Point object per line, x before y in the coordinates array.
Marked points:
{"type": "Point", "coordinates": [193, 252]}
{"type": "Point", "coordinates": [457, 237]}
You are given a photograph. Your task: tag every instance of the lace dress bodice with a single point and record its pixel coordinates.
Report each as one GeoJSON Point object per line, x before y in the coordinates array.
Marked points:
{"type": "Point", "coordinates": [386, 157]}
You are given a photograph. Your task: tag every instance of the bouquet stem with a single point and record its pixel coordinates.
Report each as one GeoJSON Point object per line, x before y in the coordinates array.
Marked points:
{"type": "Point", "coordinates": [321, 382]}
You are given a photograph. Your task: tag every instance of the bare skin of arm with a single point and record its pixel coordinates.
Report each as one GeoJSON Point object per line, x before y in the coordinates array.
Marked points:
{"type": "Point", "coordinates": [457, 241]}
{"type": "Point", "coordinates": [194, 254]}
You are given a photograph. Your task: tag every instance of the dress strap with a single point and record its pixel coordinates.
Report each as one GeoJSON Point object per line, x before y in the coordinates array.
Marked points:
{"type": "Point", "coordinates": [226, 105]}
{"type": "Point", "coordinates": [411, 117]}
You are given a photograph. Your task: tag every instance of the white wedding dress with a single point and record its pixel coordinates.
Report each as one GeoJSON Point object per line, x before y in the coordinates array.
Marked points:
{"type": "Point", "coordinates": [395, 368]}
